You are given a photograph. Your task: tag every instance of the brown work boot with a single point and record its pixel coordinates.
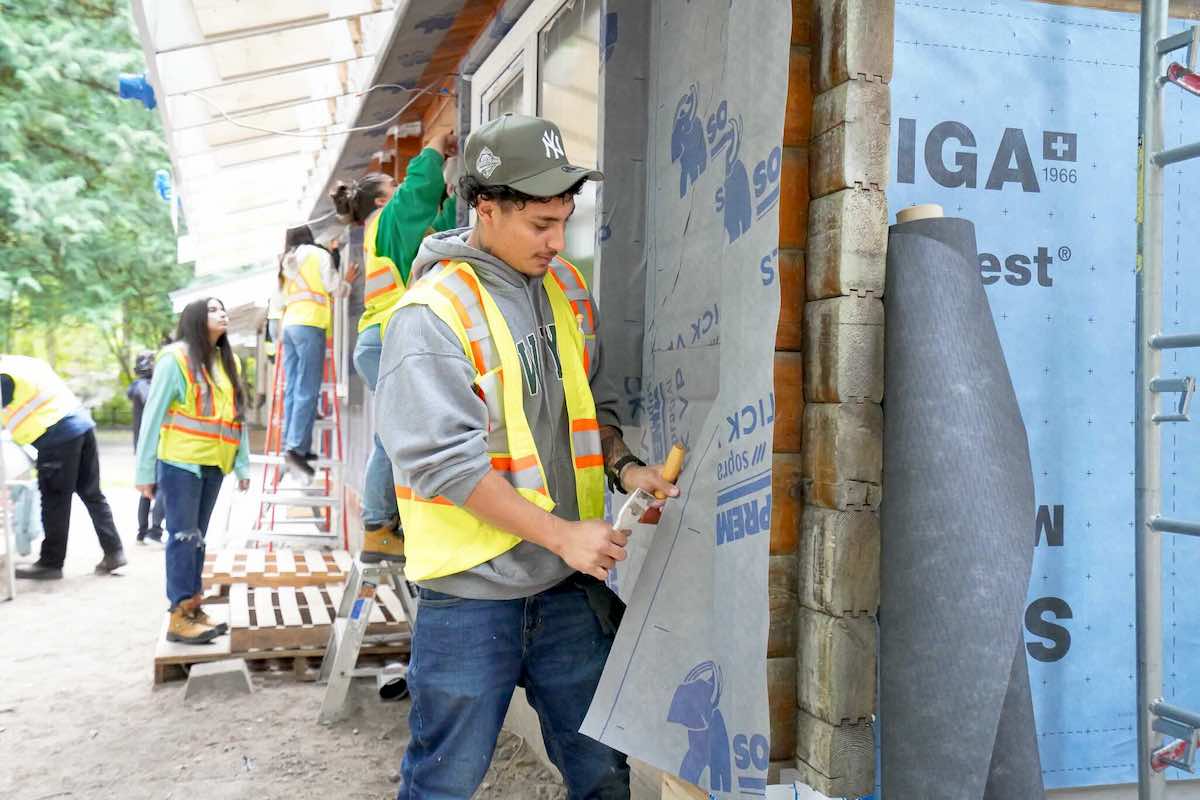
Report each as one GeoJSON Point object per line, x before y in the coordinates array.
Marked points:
{"type": "Point", "coordinates": [385, 543]}
{"type": "Point", "coordinates": [187, 630]}
{"type": "Point", "coordinates": [196, 612]}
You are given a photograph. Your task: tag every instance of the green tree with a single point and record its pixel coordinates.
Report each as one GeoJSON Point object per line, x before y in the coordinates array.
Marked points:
{"type": "Point", "coordinates": [85, 243]}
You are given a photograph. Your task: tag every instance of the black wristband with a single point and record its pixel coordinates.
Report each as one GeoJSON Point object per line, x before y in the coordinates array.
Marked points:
{"type": "Point", "coordinates": [614, 473]}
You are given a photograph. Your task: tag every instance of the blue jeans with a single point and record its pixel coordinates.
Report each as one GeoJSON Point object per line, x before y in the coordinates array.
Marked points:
{"type": "Point", "coordinates": [379, 491]}
{"type": "Point", "coordinates": [303, 369]}
{"type": "Point", "coordinates": [467, 657]}
{"type": "Point", "coordinates": [189, 504]}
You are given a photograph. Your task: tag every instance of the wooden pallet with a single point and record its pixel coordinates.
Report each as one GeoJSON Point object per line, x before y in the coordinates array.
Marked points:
{"type": "Point", "coordinates": [266, 617]}
{"type": "Point", "coordinates": [173, 660]}
{"type": "Point", "coordinates": [275, 567]}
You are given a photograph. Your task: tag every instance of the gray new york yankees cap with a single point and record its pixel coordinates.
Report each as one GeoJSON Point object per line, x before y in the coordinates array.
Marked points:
{"type": "Point", "coordinates": [525, 153]}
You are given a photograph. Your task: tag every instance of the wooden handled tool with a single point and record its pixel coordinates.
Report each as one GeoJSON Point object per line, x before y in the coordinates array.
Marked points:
{"type": "Point", "coordinates": [672, 467]}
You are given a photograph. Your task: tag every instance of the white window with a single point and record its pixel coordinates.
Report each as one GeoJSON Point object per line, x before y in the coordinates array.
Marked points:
{"type": "Point", "coordinates": [548, 65]}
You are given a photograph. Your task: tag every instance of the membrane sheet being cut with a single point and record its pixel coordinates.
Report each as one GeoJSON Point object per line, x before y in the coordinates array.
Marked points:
{"type": "Point", "coordinates": [685, 686]}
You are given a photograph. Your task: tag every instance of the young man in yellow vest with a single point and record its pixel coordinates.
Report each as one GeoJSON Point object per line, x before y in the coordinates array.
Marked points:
{"type": "Point", "coordinates": [500, 453]}
{"type": "Point", "coordinates": [38, 408]}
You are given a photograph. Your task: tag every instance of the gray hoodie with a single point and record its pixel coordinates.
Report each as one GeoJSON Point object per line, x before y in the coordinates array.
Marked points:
{"type": "Point", "coordinates": [434, 427]}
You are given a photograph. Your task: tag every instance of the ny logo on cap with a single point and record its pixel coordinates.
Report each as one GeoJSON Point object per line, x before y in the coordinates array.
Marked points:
{"type": "Point", "coordinates": [553, 145]}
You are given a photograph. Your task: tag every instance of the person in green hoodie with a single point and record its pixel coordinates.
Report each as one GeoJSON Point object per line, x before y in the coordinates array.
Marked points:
{"type": "Point", "coordinates": [396, 218]}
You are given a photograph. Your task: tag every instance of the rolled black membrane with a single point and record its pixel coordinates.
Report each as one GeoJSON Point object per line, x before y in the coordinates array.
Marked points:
{"type": "Point", "coordinates": [956, 713]}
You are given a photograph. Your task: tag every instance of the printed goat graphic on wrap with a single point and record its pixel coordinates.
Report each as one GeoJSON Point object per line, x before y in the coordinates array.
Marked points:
{"type": "Point", "coordinates": [694, 706]}
{"type": "Point", "coordinates": [734, 196]}
{"type": "Point", "coordinates": [687, 140]}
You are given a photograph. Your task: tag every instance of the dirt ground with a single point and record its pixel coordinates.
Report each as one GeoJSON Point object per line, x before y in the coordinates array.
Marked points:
{"type": "Point", "coordinates": [80, 716]}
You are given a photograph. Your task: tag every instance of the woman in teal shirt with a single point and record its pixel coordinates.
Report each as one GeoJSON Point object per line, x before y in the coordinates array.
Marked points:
{"type": "Point", "coordinates": [193, 416]}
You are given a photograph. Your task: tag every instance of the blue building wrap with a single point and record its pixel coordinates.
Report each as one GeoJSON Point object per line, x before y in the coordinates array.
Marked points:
{"type": "Point", "coordinates": [1023, 118]}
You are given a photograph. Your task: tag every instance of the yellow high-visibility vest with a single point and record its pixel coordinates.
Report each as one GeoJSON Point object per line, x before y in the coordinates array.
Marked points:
{"type": "Point", "coordinates": [40, 398]}
{"type": "Point", "coordinates": [441, 538]}
{"type": "Point", "coordinates": [383, 286]}
{"type": "Point", "coordinates": [204, 428]}
{"type": "Point", "coordinates": [306, 301]}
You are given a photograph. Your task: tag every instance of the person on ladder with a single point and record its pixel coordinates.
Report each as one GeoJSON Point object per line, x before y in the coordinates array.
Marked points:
{"type": "Point", "coordinates": [309, 278]}
{"type": "Point", "coordinates": [193, 427]}
{"type": "Point", "coordinates": [38, 408]}
{"type": "Point", "coordinates": [396, 219]}
{"type": "Point", "coordinates": [500, 477]}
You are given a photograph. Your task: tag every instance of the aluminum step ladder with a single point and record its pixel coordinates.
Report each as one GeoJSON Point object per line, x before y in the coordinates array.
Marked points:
{"type": "Point", "coordinates": [275, 522]}
{"type": "Point", "coordinates": [8, 541]}
{"type": "Point", "coordinates": [349, 631]}
{"type": "Point", "coordinates": [1155, 717]}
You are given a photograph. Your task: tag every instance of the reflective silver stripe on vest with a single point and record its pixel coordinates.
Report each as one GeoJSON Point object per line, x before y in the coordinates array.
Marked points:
{"type": "Point", "coordinates": [306, 292]}
{"type": "Point", "coordinates": [492, 386]}
{"type": "Point", "coordinates": [462, 290]}
{"type": "Point", "coordinates": [311, 297]}
{"type": "Point", "coordinates": [586, 443]}
{"type": "Point", "coordinates": [204, 427]}
{"type": "Point", "coordinates": [382, 281]}
{"type": "Point", "coordinates": [478, 330]}
{"type": "Point", "coordinates": [577, 293]}
{"type": "Point", "coordinates": [37, 401]}
{"type": "Point", "coordinates": [200, 379]}
{"type": "Point", "coordinates": [528, 478]}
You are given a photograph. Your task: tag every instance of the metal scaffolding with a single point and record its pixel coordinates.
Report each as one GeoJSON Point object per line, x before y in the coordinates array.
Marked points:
{"type": "Point", "coordinates": [1154, 717]}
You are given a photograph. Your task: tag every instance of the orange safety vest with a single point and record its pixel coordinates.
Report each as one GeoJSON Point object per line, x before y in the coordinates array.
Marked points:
{"type": "Point", "coordinates": [442, 538]}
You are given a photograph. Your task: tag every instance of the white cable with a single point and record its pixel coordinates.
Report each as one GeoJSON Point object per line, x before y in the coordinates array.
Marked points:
{"type": "Point", "coordinates": [322, 135]}
{"type": "Point", "coordinates": [315, 219]}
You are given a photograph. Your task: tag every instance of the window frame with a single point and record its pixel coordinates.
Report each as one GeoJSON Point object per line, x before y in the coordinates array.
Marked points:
{"type": "Point", "coordinates": [517, 53]}
{"type": "Point", "coordinates": [518, 50]}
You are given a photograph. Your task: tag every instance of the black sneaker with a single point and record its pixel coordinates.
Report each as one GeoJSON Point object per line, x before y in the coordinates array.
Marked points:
{"type": "Point", "coordinates": [39, 572]}
{"type": "Point", "coordinates": [294, 463]}
{"type": "Point", "coordinates": [155, 536]}
{"type": "Point", "coordinates": [111, 562]}
{"type": "Point", "coordinates": [141, 538]}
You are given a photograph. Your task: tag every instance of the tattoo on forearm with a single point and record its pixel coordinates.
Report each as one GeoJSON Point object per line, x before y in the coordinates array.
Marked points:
{"type": "Point", "coordinates": [612, 445]}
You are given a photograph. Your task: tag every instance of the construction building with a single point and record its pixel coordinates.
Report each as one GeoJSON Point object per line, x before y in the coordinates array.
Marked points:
{"type": "Point", "coordinates": [756, 153]}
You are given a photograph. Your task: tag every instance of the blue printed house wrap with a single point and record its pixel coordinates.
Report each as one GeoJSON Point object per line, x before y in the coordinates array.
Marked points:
{"type": "Point", "coordinates": [685, 687]}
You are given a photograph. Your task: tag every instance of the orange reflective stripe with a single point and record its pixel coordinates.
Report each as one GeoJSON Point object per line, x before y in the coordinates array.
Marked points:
{"type": "Point", "coordinates": [510, 464]}
{"type": "Point", "coordinates": [585, 439]}
{"type": "Point", "coordinates": [380, 281]}
{"type": "Point", "coordinates": [522, 473]}
{"type": "Point", "coordinates": [205, 429]}
{"type": "Point", "coordinates": [405, 493]}
{"type": "Point", "coordinates": [571, 283]}
{"type": "Point", "coordinates": [463, 294]}
{"type": "Point", "coordinates": [465, 317]}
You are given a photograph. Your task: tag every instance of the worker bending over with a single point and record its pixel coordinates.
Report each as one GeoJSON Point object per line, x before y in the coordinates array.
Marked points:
{"type": "Point", "coordinates": [396, 219]}
{"type": "Point", "coordinates": [38, 408]}
{"type": "Point", "coordinates": [500, 450]}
